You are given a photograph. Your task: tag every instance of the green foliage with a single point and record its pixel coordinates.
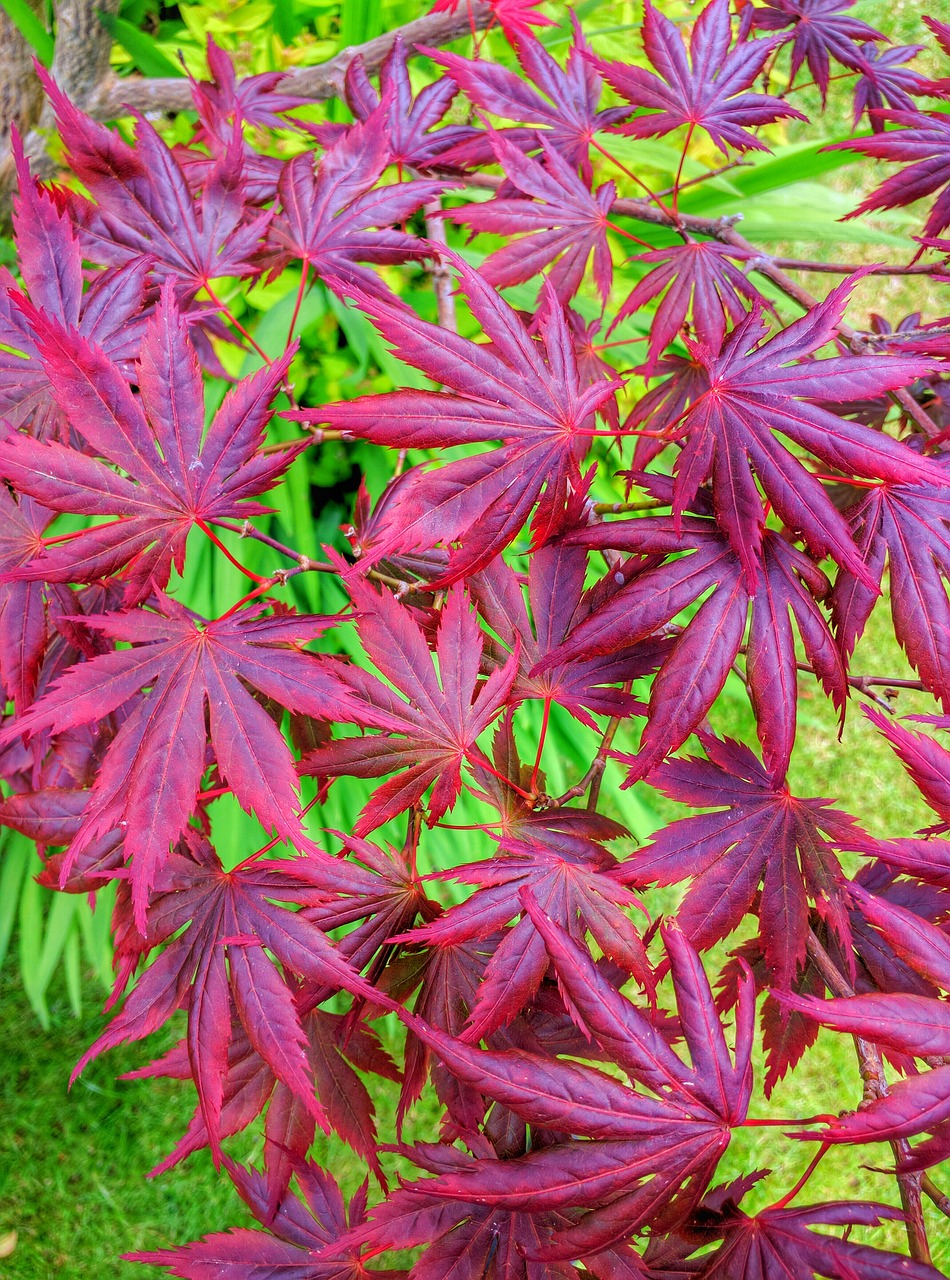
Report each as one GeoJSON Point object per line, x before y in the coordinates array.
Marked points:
{"type": "Point", "coordinates": [31, 28]}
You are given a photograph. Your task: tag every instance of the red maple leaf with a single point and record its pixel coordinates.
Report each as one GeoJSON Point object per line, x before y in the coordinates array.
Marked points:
{"type": "Point", "coordinates": [22, 611]}
{"type": "Point", "coordinates": [558, 603]}
{"type": "Point", "coordinates": [334, 1046]}
{"type": "Point", "coordinates": [702, 273]}
{"type": "Point", "coordinates": [561, 108]}
{"type": "Point", "coordinates": [708, 90]}
{"type": "Point", "coordinates": [304, 1238]}
{"type": "Point", "coordinates": [516, 17]}
{"type": "Point", "coordinates": [571, 884]}
{"type": "Point", "coordinates": [432, 735]}
{"type": "Point", "coordinates": [608, 1161]}
{"type": "Point", "coordinates": [693, 672]}
{"type": "Point", "coordinates": [564, 221]}
{"type": "Point", "coordinates": [818, 30]}
{"type": "Point", "coordinates": [221, 962]}
{"type": "Point", "coordinates": [151, 773]}
{"type": "Point", "coordinates": [908, 527]}
{"type": "Point", "coordinates": [326, 215]}
{"type": "Point", "coordinates": [143, 204]}
{"type": "Point", "coordinates": [524, 392]}
{"type": "Point", "coordinates": [176, 476]}
{"type": "Point", "coordinates": [759, 834]}
{"type": "Point", "coordinates": [414, 141]}
{"type": "Point", "coordinates": [753, 390]}
{"type": "Point", "coordinates": [108, 313]}
{"type": "Point", "coordinates": [921, 140]}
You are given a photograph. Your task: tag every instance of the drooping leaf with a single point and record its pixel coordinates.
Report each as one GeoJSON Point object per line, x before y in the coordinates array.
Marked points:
{"type": "Point", "coordinates": [220, 965]}
{"type": "Point", "coordinates": [304, 1240]}
{"type": "Point", "coordinates": [151, 774]}
{"type": "Point", "coordinates": [908, 528]}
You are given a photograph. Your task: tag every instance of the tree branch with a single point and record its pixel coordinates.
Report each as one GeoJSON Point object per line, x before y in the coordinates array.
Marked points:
{"type": "Point", "coordinates": [879, 269]}
{"type": "Point", "coordinates": [317, 83]}
{"type": "Point", "coordinates": [81, 69]}
{"type": "Point", "coordinates": [875, 1086]}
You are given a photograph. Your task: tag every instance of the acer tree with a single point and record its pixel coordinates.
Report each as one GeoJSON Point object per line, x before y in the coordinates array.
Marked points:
{"type": "Point", "coordinates": [601, 479]}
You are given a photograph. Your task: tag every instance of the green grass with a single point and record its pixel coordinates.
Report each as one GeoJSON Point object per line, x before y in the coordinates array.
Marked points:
{"type": "Point", "coordinates": [73, 1164]}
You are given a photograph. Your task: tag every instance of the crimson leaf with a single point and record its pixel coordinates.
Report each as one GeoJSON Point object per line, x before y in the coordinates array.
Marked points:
{"type": "Point", "coordinates": [562, 108]}
{"type": "Point", "coordinates": [326, 215]}
{"type": "Point", "coordinates": [433, 734]}
{"type": "Point", "coordinates": [695, 670]}
{"type": "Point", "coordinates": [753, 390]}
{"type": "Point", "coordinates": [220, 963]}
{"type": "Point", "coordinates": [564, 221]}
{"type": "Point", "coordinates": [527, 394]}
{"type": "Point", "coordinates": [174, 479]}
{"type": "Point", "coordinates": [759, 835]}
{"type": "Point", "coordinates": [152, 772]}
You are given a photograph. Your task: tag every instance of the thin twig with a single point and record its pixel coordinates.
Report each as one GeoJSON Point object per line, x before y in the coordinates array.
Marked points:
{"type": "Point", "coordinates": [443, 283]}
{"type": "Point", "coordinates": [704, 177]}
{"type": "Point", "coordinates": [849, 268]}
{"type": "Point", "coordinates": [616, 508]}
{"type": "Point", "coordinates": [594, 775]}
{"type": "Point", "coordinates": [934, 1194]}
{"type": "Point", "coordinates": [868, 682]}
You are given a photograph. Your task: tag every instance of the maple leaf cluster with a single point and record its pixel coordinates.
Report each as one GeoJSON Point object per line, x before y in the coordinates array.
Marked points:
{"type": "Point", "coordinates": [589, 1077]}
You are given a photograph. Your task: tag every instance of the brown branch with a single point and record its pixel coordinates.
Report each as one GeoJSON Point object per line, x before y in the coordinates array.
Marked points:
{"type": "Point", "coordinates": [317, 83]}
{"type": "Point", "coordinates": [443, 282]}
{"type": "Point", "coordinates": [81, 69]}
{"type": "Point", "coordinates": [849, 268]}
{"type": "Point", "coordinates": [882, 339]}
{"type": "Point", "coordinates": [875, 1086]}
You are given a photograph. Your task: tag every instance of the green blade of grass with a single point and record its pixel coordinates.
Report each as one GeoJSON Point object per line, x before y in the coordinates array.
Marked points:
{"type": "Point", "coordinates": [30, 28]}
{"type": "Point", "coordinates": [141, 48]}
